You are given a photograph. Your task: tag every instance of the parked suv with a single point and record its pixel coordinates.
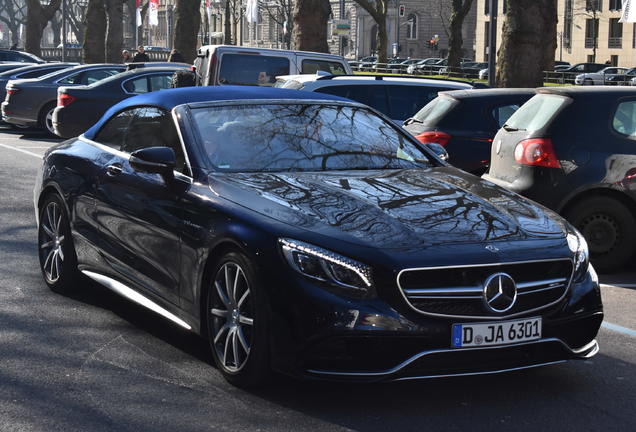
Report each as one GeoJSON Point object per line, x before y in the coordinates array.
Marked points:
{"type": "Point", "coordinates": [396, 97]}
{"type": "Point", "coordinates": [234, 65]}
{"type": "Point", "coordinates": [572, 149]}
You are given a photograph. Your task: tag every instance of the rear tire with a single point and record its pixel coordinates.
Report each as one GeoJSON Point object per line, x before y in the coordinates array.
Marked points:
{"type": "Point", "coordinates": [45, 120]}
{"type": "Point", "coordinates": [237, 317]}
{"type": "Point", "coordinates": [58, 261]}
{"type": "Point", "coordinates": [609, 228]}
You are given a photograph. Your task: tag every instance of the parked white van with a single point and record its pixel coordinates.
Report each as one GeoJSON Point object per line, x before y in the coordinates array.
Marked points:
{"type": "Point", "coordinates": [236, 65]}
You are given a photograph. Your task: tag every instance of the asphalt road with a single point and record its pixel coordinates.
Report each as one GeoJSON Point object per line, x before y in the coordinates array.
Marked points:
{"type": "Point", "coordinates": [95, 362]}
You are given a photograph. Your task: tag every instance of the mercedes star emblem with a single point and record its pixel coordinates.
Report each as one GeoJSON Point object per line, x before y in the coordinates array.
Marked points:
{"type": "Point", "coordinates": [500, 292]}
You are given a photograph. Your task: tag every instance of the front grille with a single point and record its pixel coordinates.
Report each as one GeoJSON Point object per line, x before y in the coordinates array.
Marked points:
{"type": "Point", "coordinates": [458, 291]}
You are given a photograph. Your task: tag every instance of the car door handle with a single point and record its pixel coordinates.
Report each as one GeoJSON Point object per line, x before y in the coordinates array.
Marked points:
{"type": "Point", "coordinates": [113, 170]}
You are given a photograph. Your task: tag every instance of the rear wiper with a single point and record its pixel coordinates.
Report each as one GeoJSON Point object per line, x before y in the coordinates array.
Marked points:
{"type": "Point", "coordinates": [410, 120]}
{"type": "Point", "coordinates": [511, 129]}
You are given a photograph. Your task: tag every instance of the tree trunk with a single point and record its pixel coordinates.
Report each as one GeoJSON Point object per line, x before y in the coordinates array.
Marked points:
{"type": "Point", "coordinates": [227, 31]}
{"type": "Point", "coordinates": [95, 33]}
{"type": "Point", "coordinates": [461, 8]}
{"type": "Point", "coordinates": [310, 25]}
{"type": "Point", "coordinates": [528, 43]}
{"type": "Point", "coordinates": [38, 17]}
{"type": "Point", "coordinates": [115, 30]}
{"type": "Point", "coordinates": [187, 20]}
{"type": "Point", "coordinates": [382, 41]}
{"type": "Point", "coordinates": [56, 28]}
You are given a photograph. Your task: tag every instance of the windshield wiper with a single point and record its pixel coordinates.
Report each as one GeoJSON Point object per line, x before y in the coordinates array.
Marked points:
{"type": "Point", "coordinates": [410, 120]}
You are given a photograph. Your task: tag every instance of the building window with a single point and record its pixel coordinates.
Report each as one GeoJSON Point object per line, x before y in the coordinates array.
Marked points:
{"type": "Point", "coordinates": [614, 60]}
{"type": "Point", "coordinates": [591, 33]}
{"type": "Point", "coordinates": [615, 33]}
{"type": "Point", "coordinates": [634, 36]}
{"type": "Point", "coordinates": [487, 7]}
{"type": "Point", "coordinates": [594, 5]}
{"type": "Point", "coordinates": [615, 5]}
{"type": "Point", "coordinates": [567, 24]}
{"type": "Point", "coordinates": [411, 28]}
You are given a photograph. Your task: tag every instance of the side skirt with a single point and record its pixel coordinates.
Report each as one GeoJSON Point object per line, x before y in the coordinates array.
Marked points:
{"type": "Point", "coordinates": [133, 295]}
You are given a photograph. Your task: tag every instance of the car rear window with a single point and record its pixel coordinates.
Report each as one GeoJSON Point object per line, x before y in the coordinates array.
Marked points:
{"type": "Point", "coordinates": [405, 100]}
{"type": "Point", "coordinates": [624, 121]}
{"type": "Point", "coordinates": [248, 69]}
{"type": "Point", "coordinates": [313, 66]}
{"type": "Point", "coordinates": [537, 113]}
{"type": "Point", "coordinates": [435, 110]}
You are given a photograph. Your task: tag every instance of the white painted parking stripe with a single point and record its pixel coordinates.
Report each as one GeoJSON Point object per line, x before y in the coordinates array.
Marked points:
{"type": "Point", "coordinates": [619, 329]}
{"type": "Point", "coordinates": [21, 150]}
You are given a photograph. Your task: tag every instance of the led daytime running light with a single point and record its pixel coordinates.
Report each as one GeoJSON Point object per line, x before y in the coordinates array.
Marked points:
{"type": "Point", "coordinates": [363, 273]}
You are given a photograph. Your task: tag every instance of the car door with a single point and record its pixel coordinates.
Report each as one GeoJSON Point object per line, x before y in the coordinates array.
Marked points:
{"type": "Point", "coordinates": [139, 212]}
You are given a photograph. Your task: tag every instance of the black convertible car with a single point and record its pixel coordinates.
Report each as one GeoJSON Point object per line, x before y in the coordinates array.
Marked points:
{"type": "Point", "coordinates": [306, 234]}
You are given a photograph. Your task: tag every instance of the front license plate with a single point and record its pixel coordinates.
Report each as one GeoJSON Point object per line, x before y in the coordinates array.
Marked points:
{"type": "Point", "coordinates": [496, 333]}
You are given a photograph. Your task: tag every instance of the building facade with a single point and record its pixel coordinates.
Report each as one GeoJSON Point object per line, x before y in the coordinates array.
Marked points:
{"type": "Point", "coordinates": [412, 24]}
{"type": "Point", "coordinates": [587, 31]}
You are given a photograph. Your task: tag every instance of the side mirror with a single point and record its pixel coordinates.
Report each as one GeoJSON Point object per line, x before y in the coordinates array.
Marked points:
{"type": "Point", "coordinates": [157, 160]}
{"type": "Point", "coordinates": [438, 150]}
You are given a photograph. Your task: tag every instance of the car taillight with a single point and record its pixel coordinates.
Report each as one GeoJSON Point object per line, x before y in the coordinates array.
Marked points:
{"type": "Point", "coordinates": [536, 152]}
{"type": "Point", "coordinates": [12, 90]}
{"type": "Point", "coordinates": [64, 100]}
{"type": "Point", "coordinates": [438, 137]}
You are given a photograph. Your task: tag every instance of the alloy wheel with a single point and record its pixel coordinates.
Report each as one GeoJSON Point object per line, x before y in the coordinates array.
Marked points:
{"type": "Point", "coordinates": [231, 312]}
{"type": "Point", "coordinates": [48, 121]}
{"type": "Point", "coordinates": [51, 242]}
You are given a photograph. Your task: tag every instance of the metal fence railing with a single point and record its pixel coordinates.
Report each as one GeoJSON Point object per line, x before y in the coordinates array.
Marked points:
{"type": "Point", "coordinates": [550, 77]}
{"type": "Point", "coordinates": [75, 54]}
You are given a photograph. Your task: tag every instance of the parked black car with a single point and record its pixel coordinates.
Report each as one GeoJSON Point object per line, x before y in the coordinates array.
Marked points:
{"type": "Point", "coordinates": [31, 102]}
{"type": "Point", "coordinates": [30, 71]}
{"type": "Point", "coordinates": [307, 234]}
{"type": "Point", "coordinates": [19, 57]}
{"type": "Point", "coordinates": [572, 149]}
{"type": "Point", "coordinates": [79, 107]}
{"type": "Point", "coordinates": [465, 122]}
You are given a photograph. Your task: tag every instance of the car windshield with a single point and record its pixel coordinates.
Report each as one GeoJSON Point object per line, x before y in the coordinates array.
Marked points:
{"type": "Point", "coordinates": [302, 137]}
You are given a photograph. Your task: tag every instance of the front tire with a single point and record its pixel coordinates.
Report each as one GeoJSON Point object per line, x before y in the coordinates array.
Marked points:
{"type": "Point", "coordinates": [58, 261]}
{"type": "Point", "coordinates": [609, 229]}
{"type": "Point", "coordinates": [236, 315]}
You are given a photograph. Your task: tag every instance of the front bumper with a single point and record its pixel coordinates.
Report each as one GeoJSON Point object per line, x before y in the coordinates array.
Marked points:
{"type": "Point", "coordinates": [371, 340]}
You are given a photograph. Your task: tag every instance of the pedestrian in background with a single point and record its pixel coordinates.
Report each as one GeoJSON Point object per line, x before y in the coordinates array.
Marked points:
{"type": "Point", "coordinates": [141, 56]}
{"type": "Point", "coordinates": [176, 57]}
{"type": "Point", "coordinates": [125, 56]}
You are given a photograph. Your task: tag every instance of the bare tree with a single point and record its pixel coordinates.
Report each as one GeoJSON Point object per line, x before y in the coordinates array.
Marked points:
{"type": "Point", "coordinates": [310, 24]}
{"type": "Point", "coordinates": [378, 9]}
{"type": "Point", "coordinates": [281, 12]}
{"type": "Point", "coordinates": [528, 43]}
{"type": "Point", "coordinates": [460, 8]}
{"type": "Point", "coordinates": [13, 15]}
{"type": "Point", "coordinates": [94, 36]}
{"type": "Point", "coordinates": [187, 22]}
{"type": "Point", "coordinates": [114, 30]}
{"type": "Point", "coordinates": [38, 17]}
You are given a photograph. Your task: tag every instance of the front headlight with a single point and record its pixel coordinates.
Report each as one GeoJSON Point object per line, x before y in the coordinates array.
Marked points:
{"type": "Point", "coordinates": [326, 266]}
{"type": "Point", "coordinates": [578, 246]}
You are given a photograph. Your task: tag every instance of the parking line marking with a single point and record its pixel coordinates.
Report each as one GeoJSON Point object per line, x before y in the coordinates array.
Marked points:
{"type": "Point", "coordinates": [21, 151]}
{"type": "Point", "coordinates": [619, 329]}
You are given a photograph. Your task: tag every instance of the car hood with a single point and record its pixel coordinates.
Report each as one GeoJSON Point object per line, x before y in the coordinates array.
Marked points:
{"type": "Point", "coordinates": [392, 209]}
